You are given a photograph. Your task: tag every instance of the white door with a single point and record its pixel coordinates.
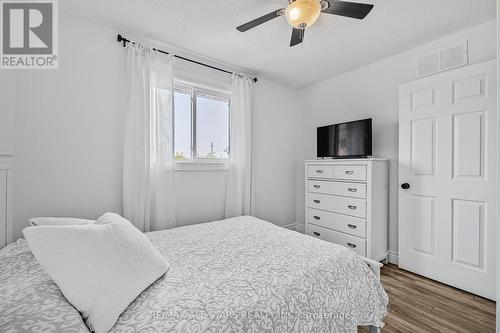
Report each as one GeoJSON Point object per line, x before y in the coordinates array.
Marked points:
{"type": "Point", "coordinates": [448, 158]}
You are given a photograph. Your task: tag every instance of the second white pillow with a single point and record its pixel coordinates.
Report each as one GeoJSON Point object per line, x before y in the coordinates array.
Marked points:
{"type": "Point", "coordinates": [37, 221]}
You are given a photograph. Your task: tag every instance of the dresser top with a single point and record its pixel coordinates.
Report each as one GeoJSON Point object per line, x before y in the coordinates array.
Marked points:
{"type": "Point", "coordinates": [330, 160]}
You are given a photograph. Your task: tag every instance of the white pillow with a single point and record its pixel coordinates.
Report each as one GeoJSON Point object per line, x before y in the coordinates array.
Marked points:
{"type": "Point", "coordinates": [58, 221]}
{"type": "Point", "coordinates": [100, 268]}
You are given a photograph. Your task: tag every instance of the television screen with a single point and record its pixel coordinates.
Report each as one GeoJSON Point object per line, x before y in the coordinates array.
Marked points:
{"type": "Point", "coordinates": [352, 139]}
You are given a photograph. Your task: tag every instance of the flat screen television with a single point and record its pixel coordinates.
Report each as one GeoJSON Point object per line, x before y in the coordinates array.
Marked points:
{"type": "Point", "coordinates": [347, 140]}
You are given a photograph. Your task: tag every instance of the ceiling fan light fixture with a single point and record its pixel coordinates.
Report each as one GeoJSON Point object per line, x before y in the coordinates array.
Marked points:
{"type": "Point", "coordinates": [301, 14]}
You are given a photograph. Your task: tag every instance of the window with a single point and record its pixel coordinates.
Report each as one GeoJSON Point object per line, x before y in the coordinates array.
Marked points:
{"type": "Point", "coordinates": [201, 125]}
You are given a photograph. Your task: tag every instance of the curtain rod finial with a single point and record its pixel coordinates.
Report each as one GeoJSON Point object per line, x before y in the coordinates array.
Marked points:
{"type": "Point", "coordinates": [119, 38]}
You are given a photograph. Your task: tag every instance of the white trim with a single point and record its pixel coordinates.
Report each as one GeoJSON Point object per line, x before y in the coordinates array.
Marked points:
{"type": "Point", "coordinates": [199, 165]}
{"type": "Point", "coordinates": [295, 226]}
{"type": "Point", "coordinates": [498, 171]}
{"type": "Point", "coordinates": [185, 84]}
{"type": "Point", "coordinates": [393, 257]}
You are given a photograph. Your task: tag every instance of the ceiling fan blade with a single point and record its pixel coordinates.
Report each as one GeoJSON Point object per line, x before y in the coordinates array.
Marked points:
{"type": "Point", "coordinates": [349, 9]}
{"type": "Point", "coordinates": [260, 20]}
{"type": "Point", "coordinates": [297, 36]}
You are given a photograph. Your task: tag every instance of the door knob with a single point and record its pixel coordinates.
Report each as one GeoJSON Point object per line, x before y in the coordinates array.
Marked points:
{"type": "Point", "coordinates": [405, 186]}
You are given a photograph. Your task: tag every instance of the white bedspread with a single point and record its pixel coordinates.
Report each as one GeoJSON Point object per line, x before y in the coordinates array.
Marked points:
{"type": "Point", "coordinates": [236, 275]}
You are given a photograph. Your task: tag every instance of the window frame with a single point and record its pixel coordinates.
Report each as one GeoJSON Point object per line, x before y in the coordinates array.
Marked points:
{"type": "Point", "coordinates": [196, 163]}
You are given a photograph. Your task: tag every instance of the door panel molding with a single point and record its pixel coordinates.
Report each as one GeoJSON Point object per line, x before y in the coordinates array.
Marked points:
{"type": "Point", "coordinates": [468, 225]}
{"type": "Point", "coordinates": [469, 141]}
{"type": "Point", "coordinates": [469, 88]}
{"type": "Point", "coordinates": [423, 230]}
{"type": "Point", "coordinates": [423, 147]}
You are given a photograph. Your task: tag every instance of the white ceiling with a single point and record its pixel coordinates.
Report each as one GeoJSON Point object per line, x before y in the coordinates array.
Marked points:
{"type": "Point", "coordinates": [332, 46]}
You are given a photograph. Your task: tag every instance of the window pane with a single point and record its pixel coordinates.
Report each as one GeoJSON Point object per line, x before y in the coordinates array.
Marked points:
{"type": "Point", "coordinates": [182, 125]}
{"type": "Point", "coordinates": [212, 127]}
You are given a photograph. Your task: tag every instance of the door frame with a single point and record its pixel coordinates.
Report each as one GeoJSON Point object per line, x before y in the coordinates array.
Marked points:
{"type": "Point", "coordinates": [498, 179]}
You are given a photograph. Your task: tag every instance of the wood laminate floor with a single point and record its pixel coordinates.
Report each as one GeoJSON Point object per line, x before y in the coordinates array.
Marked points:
{"type": "Point", "coordinates": [418, 304]}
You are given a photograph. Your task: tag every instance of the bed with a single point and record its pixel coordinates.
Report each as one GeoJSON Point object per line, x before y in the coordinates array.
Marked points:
{"type": "Point", "coordinates": [235, 275]}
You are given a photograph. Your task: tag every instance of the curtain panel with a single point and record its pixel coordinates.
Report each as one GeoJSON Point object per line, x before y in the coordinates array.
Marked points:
{"type": "Point", "coordinates": [239, 184]}
{"type": "Point", "coordinates": [148, 179]}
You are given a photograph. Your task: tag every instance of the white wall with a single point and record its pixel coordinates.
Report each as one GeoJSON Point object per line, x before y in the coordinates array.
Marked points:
{"type": "Point", "coordinates": [68, 135]}
{"type": "Point", "coordinates": [274, 157]}
{"type": "Point", "coordinates": [6, 112]}
{"type": "Point", "coordinates": [200, 196]}
{"type": "Point", "coordinates": [68, 128]}
{"type": "Point", "coordinates": [372, 91]}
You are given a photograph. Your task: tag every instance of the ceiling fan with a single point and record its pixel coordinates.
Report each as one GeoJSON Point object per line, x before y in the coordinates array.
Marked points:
{"type": "Point", "coordinates": [302, 14]}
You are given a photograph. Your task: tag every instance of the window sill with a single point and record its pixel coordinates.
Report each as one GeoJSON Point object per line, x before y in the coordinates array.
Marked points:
{"type": "Point", "coordinates": [218, 165]}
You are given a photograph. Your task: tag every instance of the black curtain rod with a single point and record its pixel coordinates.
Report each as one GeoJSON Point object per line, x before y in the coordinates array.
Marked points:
{"type": "Point", "coordinates": [121, 39]}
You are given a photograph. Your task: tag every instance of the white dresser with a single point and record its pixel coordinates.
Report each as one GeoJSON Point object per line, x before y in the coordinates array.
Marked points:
{"type": "Point", "coordinates": [347, 204]}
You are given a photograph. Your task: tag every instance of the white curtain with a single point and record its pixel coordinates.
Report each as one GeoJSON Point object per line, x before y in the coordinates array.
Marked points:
{"type": "Point", "coordinates": [148, 179]}
{"type": "Point", "coordinates": [239, 185]}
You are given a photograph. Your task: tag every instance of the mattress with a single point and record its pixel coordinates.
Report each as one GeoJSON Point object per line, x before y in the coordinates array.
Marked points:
{"type": "Point", "coordinates": [236, 275]}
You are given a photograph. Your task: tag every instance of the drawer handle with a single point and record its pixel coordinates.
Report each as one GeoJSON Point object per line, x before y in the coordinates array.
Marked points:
{"type": "Point", "coordinates": [352, 189]}
{"type": "Point", "coordinates": [316, 186]}
{"type": "Point", "coordinates": [349, 172]}
{"type": "Point", "coordinates": [352, 207]}
{"type": "Point", "coordinates": [352, 226]}
{"type": "Point", "coordinates": [319, 171]}
{"type": "Point", "coordinates": [316, 201]}
{"type": "Point", "coordinates": [316, 234]}
{"type": "Point", "coordinates": [351, 245]}
{"type": "Point", "coordinates": [316, 217]}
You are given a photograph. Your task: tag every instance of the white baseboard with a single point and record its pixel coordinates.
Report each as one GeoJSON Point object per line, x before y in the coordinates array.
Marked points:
{"type": "Point", "coordinates": [290, 226]}
{"type": "Point", "coordinates": [300, 228]}
{"type": "Point", "coordinates": [393, 257]}
{"type": "Point", "coordinates": [297, 227]}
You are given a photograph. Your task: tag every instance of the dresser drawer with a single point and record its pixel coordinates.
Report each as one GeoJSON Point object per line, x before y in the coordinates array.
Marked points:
{"type": "Point", "coordinates": [354, 243]}
{"type": "Point", "coordinates": [347, 224]}
{"type": "Point", "coordinates": [355, 190]}
{"type": "Point", "coordinates": [336, 204]}
{"type": "Point", "coordinates": [320, 171]}
{"type": "Point", "coordinates": [354, 172]}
